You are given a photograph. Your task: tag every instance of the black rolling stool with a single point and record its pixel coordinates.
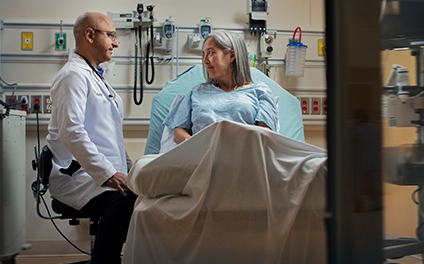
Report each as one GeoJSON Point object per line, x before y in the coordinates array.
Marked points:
{"type": "Point", "coordinates": [43, 166]}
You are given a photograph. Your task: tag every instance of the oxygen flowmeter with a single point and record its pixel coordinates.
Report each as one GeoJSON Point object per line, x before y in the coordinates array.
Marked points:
{"type": "Point", "coordinates": [168, 33]}
{"type": "Point", "coordinates": [205, 27]}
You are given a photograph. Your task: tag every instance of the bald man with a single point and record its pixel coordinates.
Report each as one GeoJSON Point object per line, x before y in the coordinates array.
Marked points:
{"type": "Point", "coordinates": [90, 163]}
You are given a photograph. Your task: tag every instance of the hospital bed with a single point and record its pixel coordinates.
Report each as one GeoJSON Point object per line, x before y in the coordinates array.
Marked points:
{"type": "Point", "coordinates": [289, 112]}
{"type": "Point", "coordinates": [233, 193]}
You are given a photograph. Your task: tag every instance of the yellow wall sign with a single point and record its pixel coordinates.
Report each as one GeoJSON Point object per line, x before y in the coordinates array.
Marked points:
{"type": "Point", "coordinates": [27, 39]}
{"type": "Point", "coordinates": [321, 47]}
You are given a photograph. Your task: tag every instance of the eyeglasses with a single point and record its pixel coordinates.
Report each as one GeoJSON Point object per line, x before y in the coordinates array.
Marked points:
{"type": "Point", "coordinates": [110, 34]}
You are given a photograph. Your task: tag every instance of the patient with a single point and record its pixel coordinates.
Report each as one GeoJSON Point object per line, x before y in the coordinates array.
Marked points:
{"type": "Point", "coordinates": [227, 94]}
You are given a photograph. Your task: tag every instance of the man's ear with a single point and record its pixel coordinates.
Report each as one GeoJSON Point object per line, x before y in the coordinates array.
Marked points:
{"type": "Point", "coordinates": [89, 34]}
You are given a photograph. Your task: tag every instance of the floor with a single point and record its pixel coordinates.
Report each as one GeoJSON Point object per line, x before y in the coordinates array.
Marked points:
{"type": "Point", "coordinates": [49, 260]}
{"type": "Point", "coordinates": [405, 260]}
{"type": "Point", "coordinates": [65, 260]}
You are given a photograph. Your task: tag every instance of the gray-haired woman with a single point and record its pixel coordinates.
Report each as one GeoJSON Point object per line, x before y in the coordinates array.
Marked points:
{"type": "Point", "coordinates": [228, 93]}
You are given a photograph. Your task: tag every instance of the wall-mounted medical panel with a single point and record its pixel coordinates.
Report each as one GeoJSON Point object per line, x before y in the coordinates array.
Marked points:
{"type": "Point", "coordinates": [133, 114]}
{"type": "Point", "coordinates": [34, 70]}
{"type": "Point", "coordinates": [33, 40]}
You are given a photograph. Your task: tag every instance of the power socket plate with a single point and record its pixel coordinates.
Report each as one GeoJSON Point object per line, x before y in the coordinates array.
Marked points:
{"type": "Point", "coordinates": [47, 104]}
{"type": "Point", "coordinates": [36, 99]}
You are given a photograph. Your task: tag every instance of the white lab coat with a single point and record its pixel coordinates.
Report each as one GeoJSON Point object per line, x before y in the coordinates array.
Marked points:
{"type": "Point", "coordinates": [85, 125]}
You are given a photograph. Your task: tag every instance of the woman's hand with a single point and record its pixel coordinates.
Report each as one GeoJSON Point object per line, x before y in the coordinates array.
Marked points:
{"type": "Point", "coordinates": [262, 124]}
{"type": "Point", "coordinates": [181, 134]}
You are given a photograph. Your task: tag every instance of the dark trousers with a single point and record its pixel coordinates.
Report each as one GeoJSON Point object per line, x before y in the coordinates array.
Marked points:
{"type": "Point", "coordinates": [115, 212]}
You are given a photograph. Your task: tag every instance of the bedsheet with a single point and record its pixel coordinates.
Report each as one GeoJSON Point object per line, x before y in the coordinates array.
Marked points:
{"type": "Point", "coordinates": [232, 193]}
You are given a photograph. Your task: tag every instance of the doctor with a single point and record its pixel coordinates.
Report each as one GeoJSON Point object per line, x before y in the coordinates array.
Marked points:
{"type": "Point", "coordinates": [90, 162]}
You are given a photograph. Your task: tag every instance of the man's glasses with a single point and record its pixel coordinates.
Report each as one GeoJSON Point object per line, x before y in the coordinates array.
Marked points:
{"type": "Point", "coordinates": [110, 34]}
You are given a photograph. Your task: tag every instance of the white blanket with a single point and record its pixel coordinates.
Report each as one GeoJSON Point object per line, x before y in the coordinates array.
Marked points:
{"type": "Point", "coordinates": [232, 193]}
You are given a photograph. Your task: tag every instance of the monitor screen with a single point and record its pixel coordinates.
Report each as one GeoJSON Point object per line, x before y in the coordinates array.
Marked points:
{"type": "Point", "coordinates": [402, 24]}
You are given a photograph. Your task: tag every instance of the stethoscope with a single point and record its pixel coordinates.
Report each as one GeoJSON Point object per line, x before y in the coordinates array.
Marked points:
{"type": "Point", "coordinates": [112, 93]}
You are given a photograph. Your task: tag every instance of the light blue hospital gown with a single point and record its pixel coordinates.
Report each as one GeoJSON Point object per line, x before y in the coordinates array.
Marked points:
{"type": "Point", "coordinates": [206, 104]}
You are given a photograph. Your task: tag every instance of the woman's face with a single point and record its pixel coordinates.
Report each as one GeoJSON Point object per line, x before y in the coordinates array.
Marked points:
{"type": "Point", "coordinates": [217, 63]}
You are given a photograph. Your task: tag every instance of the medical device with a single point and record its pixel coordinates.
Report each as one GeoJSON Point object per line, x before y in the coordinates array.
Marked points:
{"type": "Point", "coordinates": [194, 41]}
{"type": "Point", "coordinates": [1, 27]}
{"type": "Point", "coordinates": [295, 55]}
{"type": "Point", "coordinates": [205, 27]}
{"type": "Point", "coordinates": [138, 60]}
{"type": "Point", "coordinates": [144, 16]}
{"type": "Point", "coordinates": [266, 44]}
{"type": "Point", "coordinates": [150, 47]}
{"type": "Point", "coordinates": [6, 111]}
{"type": "Point", "coordinates": [169, 34]}
{"type": "Point", "coordinates": [12, 185]}
{"type": "Point", "coordinates": [60, 44]}
{"type": "Point", "coordinates": [258, 11]}
{"type": "Point", "coordinates": [123, 20]}
{"type": "Point", "coordinates": [401, 23]}
{"type": "Point", "coordinates": [403, 106]}
{"type": "Point", "coordinates": [129, 20]}
{"type": "Point", "coordinates": [402, 103]}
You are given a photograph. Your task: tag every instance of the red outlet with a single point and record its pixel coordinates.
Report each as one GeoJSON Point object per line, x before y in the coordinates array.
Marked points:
{"type": "Point", "coordinates": [305, 105]}
{"type": "Point", "coordinates": [324, 106]}
{"type": "Point", "coordinates": [316, 106]}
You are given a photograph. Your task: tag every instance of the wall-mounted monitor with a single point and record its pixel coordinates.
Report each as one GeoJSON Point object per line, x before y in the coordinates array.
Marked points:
{"type": "Point", "coordinates": [402, 23]}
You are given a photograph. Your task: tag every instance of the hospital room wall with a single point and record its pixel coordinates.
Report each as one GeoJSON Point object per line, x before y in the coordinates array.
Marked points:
{"type": "Point", "coordinates": [34, 69]}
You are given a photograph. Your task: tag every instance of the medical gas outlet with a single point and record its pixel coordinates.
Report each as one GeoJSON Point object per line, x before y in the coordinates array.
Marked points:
{"type": "Point", "coordinates": [60, 39]}
{"type": "Point", "coordinates": [266, 47]}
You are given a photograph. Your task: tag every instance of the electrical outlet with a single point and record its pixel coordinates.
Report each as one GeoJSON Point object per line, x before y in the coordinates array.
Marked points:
{"type": "Point", "coordinates": [304, 105]}
{"type": "Point", "coordinates": [23, 103]}
{"type": "Point", "coordinates": [11, 100]}
{"type": "Point", "coordinates": [315, 106]}
{"type": "Point", "coordinates": [324, 106]}
{"type": "Point", "coordinates": [36, 99]}
{"type": "Point", "coordinates": [47, 104]}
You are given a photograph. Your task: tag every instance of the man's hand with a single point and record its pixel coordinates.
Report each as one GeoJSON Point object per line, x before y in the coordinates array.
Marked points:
{"type": "Point", "coordinates": [119, 182]}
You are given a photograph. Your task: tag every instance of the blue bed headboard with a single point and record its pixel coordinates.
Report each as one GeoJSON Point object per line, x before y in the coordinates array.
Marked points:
{"type": "Point", "coordinates": [289, 111]}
